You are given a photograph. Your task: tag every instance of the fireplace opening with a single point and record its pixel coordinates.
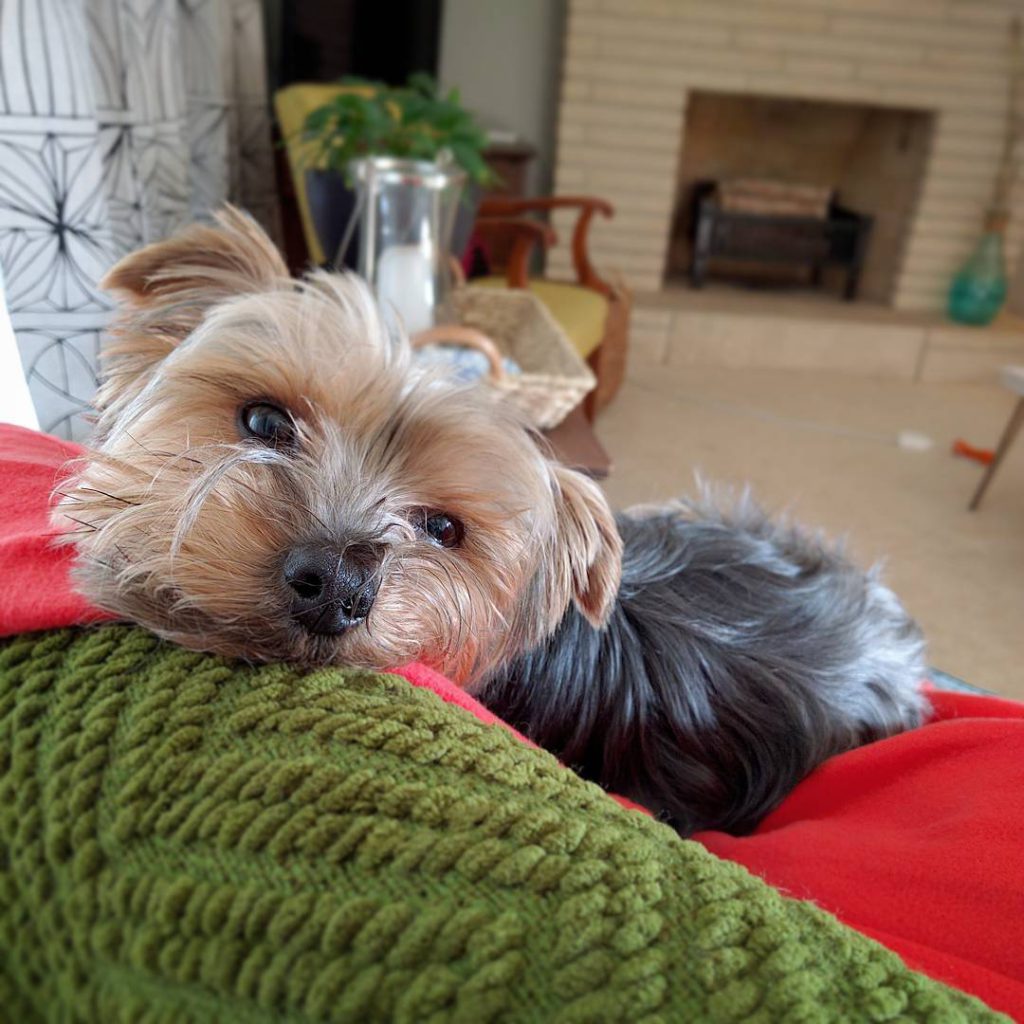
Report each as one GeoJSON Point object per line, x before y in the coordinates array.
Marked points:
{"type": "Point", "coordinates": [790, 193]}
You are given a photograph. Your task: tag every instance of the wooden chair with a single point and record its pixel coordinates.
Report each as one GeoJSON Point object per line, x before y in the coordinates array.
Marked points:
{"type": "Point", "coordinates": [593, 312]}
{"type": "Point", "coordinates": [292, 105]}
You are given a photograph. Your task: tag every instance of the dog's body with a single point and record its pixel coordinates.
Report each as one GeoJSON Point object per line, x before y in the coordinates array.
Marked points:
{"type": "Point", "coordinates": [740, 654]}
{"type": "Point", "coordinates": [273, 478]}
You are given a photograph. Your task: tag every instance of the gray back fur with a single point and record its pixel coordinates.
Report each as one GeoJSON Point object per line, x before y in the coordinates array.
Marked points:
{"type": "Point", "coordinates": [741, 653]}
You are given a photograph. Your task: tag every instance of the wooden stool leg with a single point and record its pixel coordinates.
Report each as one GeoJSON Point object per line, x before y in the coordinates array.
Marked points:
{"type": "Point", "coordinates": [1012, 428]}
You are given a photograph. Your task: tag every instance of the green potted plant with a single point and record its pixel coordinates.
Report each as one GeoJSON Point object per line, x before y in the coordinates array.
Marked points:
{"type": "Point", "coordinates": [371, 119]}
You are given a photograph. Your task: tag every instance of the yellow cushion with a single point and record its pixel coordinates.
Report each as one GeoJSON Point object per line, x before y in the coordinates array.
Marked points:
{"type": "Point", "coordinates": [293, 105]}
{"type": "Point", "coordinates": [580, 312]}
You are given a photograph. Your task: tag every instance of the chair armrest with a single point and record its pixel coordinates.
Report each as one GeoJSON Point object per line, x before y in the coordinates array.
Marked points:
{"type": "Point", "coordinates": [586, 275]}
{"type": "Point", "coordinates": [525, 234]}
{"type": "Point", "coordinates": [496, 206]}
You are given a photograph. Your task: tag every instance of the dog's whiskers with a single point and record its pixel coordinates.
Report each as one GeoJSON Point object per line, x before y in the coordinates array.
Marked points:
{"type": "Point", "coordinates": [107, 494]}
{"type": "Point", "coordinates": [89, 527]}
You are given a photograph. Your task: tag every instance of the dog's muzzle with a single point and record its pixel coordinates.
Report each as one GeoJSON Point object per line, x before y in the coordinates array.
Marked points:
{"type": "Point", "coordinates": [332, 586]}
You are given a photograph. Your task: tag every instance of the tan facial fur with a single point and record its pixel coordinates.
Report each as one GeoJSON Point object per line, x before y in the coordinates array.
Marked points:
{"type": "Point", "coordinates": [183, 523]}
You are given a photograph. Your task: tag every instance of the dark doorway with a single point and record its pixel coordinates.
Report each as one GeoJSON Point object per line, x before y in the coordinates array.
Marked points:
{"type": "Point", "coordinates": [313, 41]}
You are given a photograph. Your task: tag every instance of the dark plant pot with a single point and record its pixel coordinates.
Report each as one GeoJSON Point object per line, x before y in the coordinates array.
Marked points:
{"type": "Point", "coordinates": [331, 203]}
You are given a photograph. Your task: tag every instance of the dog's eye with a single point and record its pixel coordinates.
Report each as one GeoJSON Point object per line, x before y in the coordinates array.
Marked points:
{"type": "Point", "coordinates": [269, 423]}
{"type": "Point", "coordinates": [444, 530]}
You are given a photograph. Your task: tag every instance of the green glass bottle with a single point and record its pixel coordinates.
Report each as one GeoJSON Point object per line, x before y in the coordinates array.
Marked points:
{"type": "Point", "coordinates": [979, 289]}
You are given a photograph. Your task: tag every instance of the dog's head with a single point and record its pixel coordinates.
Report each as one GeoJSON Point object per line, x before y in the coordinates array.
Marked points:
{"type": "Point", "coordinates": [273, 477]}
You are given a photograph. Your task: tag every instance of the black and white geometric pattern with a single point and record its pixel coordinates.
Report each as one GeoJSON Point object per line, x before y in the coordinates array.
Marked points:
{"type": "Point", "coordinates": [120, 121]}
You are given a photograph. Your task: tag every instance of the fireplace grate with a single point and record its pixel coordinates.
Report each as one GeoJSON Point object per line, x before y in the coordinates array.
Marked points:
{"type": "Point", "coordinates": [838, 239]}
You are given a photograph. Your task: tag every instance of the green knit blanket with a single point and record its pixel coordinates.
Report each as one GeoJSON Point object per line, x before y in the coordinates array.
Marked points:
{"type": "Point", "coordinates": [183, 839]}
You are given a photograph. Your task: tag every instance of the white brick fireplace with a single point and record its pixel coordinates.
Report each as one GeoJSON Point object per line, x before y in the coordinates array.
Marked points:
{"type": "Point", "coordinates": [630, 66]}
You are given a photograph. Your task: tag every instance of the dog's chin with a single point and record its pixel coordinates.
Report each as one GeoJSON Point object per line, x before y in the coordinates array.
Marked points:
{"type": "Point", "coordinates": [281, 640]}
{"type": "Point", "coordinates": [354, 648]}
{"type": "Point", "coordinates": [269, 634]}
{"type": "Point", "coordinates": [301, 648]}
{"type": "Point", "coordinates": [289, 643]}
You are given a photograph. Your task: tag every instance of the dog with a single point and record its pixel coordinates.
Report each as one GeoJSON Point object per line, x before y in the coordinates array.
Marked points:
{"type": "Point", "coordinates": [274, 477]}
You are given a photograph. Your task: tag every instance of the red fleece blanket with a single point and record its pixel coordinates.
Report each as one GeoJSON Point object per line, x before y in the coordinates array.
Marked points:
{"type": "Point", "coordinates": [917, 841]}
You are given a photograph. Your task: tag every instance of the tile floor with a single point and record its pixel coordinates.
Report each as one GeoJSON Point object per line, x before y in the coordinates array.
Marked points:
{"type": "Point", "coordinates": [824, 446]}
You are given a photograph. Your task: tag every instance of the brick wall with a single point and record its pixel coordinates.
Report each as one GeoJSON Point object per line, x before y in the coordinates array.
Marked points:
{"type": "Point", "coordinates": [630, 64]}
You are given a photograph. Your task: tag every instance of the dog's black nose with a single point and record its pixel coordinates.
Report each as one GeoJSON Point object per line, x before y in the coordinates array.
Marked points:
{"type": "Point", "coordinates": [333, 587]}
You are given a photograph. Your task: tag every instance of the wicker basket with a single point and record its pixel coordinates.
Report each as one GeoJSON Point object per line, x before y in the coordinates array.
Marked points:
{"type": "Point", "coordinates": [554, 379]}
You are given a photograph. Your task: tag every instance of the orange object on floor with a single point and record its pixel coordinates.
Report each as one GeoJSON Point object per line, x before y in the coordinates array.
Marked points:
{"type": "Point", "coordinates": [968, 451]}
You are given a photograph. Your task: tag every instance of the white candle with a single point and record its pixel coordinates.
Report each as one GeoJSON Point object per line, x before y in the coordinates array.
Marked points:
{"type": "Point", "coordinates": [405, 280]}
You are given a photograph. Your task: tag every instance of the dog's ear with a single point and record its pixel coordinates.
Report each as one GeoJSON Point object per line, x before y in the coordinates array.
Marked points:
{"type": "Point", "coordinates": [199, 265]}
{"type": "Point", "coordinates": [588, 546]}
{"type": "Point", "coordinates": [167, 288]}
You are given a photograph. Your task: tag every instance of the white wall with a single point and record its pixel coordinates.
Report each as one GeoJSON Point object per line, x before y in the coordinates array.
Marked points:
{"type": "Point", "coordinates": [15, 402]}
{"type": "Point", "coordinates": [506, 57]}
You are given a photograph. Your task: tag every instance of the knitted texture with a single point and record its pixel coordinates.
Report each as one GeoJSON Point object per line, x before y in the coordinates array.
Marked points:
{"type": "Point", "coordinates": [182, 839]}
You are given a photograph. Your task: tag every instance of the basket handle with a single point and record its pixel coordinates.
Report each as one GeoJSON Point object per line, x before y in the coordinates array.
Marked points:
{"type": "Point", "coordinates": [468, 337]}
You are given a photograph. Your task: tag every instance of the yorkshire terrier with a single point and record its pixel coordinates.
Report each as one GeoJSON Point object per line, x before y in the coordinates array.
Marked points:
{"type": "Point", "coordinates": [273, 477]}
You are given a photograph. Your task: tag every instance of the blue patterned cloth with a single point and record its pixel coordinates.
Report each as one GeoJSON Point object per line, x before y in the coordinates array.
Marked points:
{"type": "Point", "coordinates": [468, 364]}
